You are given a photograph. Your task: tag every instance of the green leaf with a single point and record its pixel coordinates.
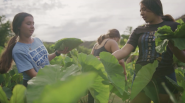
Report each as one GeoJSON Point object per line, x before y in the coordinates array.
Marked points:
{"type": "Point", "coordinates": [11, 72]}
{"type": "Point", "coordinates": [151, 91]}
{"type": "Point", "coordinates": [100, 87]}
{"type": "Point", "coordinates": [142, 78]}
{"type": "Point", "coordinates": [169, 93]}
{"type": "Point", "coordinates": [175, 84]}
{"type": "Point", "coordinates": [180, 31]}
{"type": "Point", "coordinates": [19, 94]}
{"type": "Point", "coordinates": [3, 98]}
{"type": "Point", "coordinates": [161, 45]}
{"type": "Point", "coordinates": [114, 71]}
{"type": "Point", "coordinates": [1, 78]}
{"type": "Point", "coordinates": [180, 21]}
{"type": "Point", "coordinates": [183, 97]}
{"type": "Point", "coordinates": [69, 91]}
{"type": "Point", "coordinates": [123, 96]}
{"type": "Point", "coordinates": [179, 43]}
{"type": "Point", "coordinates": [50, 74]}
{"type": "Point", "coordinates": [70, 43]}
{"type": "Point", "coordinates": [8, 92]}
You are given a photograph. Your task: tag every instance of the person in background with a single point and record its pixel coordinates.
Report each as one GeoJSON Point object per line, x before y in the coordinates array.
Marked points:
{"type": "Point", "coordinates": [28, 53]}
{"type": "Point", "coordinates": [107, 43]}
{"type": "Point", "coordinates": [143, 37]}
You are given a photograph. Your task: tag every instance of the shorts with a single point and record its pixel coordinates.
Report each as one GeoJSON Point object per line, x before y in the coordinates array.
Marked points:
{"type": "Point", "coordinates": [158, 80]}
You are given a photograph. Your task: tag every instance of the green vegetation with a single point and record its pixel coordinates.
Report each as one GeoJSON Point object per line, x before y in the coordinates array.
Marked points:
{"type": "Point", "coordinates": [165, 34]}
{"type": "Point", "coordinates": [71, 43]}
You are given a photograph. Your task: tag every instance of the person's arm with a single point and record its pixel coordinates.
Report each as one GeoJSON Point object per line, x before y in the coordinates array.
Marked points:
{"type": "Point", "coordinates": [180, 54]}
{"type": "Point", "coordinates": [114, 47]}
{"type": "Point", "coordinates": [53, 55]}
{"type": "Point", "coordinates": [32, 73]}
{"type": "Point", "coordinates": [123, 52]}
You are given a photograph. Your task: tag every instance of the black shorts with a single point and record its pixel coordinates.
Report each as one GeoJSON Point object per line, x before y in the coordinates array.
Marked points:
{"type": "Point", "coordinates": [159, 80]}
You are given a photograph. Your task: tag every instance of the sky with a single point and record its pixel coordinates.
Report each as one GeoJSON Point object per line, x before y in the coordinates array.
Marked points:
{"type": "Point", "coordinates": [84, 19]}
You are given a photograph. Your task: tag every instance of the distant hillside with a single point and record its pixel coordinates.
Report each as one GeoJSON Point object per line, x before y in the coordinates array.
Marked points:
{"type": "Point", "coordinates": [86, 44]}
{"type": "Point", "coordinates": [182, 17]}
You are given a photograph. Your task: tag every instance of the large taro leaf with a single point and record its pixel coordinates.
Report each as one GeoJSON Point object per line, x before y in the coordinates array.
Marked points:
{"type": "Point", "coordinates": [114, 71]}
{"type": "Point", "coordinates": [68, 91]}
{"type": "Point", "coordinates": [183, 97]}
{"type": "Point", "coordinates": [180, 31]}
{"type": "Point", "coordinates": [3, 98]}
{"type": "Point", "coordinates": [8, 92]}
{"type": "Point", "coordinates": [175, 84]}
{"type": "Point", "coordinates": [123, 96]}
{"type": "Point", "coordinates": [143, 77]}
{"type": "Point", "coordinates": [70, 43]}
{"type": "Point", "coordinates": [180, 21]}
{"type": "Point", "coordinates": [161, 45]}
{"type": "Point", "coordinates": [46, 76]}
{"type": "Point", "coordinates": [19, 94]}
{"type": "Point", "coordinates": [179, 43]}
{"type": "Point", "coordinates": [151, 91]}
{"type": "Point", "coordinates": [100, 87]}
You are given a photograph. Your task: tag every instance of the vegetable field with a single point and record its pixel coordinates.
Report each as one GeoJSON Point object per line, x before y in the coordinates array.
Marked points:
{"type": "Point", "coordinates": [69, 80]}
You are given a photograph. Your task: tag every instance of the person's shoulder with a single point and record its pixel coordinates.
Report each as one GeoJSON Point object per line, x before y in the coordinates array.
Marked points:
{"type": "Point", "coordinates": [37, 39]}
{"type": "Point", "coordinates": [18, 48]}
{"type": "Point", "coordinates": [171, 23]}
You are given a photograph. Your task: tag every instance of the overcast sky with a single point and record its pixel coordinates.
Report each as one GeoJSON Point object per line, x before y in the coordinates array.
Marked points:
{"type": "Point", "coordinates": [84, 19]}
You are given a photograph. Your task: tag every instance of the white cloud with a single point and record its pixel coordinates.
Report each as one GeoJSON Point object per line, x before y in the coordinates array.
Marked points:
{"type": "Point", "coordinates": [85, 19]}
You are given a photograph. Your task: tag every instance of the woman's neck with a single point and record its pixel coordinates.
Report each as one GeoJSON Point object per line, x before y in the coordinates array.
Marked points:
{"type": "Point", "coordinates": [157, 20]}
{"type": "Point", "coordinates": [27, 40]}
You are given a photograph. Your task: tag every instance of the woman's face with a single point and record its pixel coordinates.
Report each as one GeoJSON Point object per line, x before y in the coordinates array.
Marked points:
{"type": "Point", "coordinates": [147, 15]}
{"type": "Point", "coordinates": [27, 27]}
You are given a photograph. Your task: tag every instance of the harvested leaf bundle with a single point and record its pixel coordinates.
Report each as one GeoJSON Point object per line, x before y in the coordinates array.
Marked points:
{"type": "Point", "coordinates": [164, 34]}
{"type": "Point", "coordinates": [71, 43]}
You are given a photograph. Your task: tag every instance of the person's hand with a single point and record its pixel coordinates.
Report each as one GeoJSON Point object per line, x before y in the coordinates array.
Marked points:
{"type": "Point", "coordinates": [65, 51]}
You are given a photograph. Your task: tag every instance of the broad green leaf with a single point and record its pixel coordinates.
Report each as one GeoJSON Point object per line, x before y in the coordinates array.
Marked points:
{"type": "Point", "coordinates": [180, 31]}
{"type": "Point", "coordinates": [68, 91]}
{"type": "Point", "coordinates": [70, 43]}
{"type": "Point", "coordinates": [169, 93]}
{"type": "Point", "coordinates": [142, 78]}
{"type": "Point", "coordinates": [179, 43]}
{"type": "Point", "coordinates": [1, 78]}
{"type": "Point", "coordinates": [100, 87]}
{"type": "Point", "coordinates": [114, 71]}
{"type": "Point", "coordinates": [11, 72]}
{"type": "Point", "coordinates": [19, 94]}
{"type": "Point", "coordinates": [183, 97]}
{"type": "Point", "coordinates": [123, 96]}
{"type": "Point", "coordinates": [151, 91]}
{"type": "Point", "coordinates": [8, 92]}
{"type": "Point", "coordinates": [180, 21]}
{"type": "Point", "coordinates": [161, 45]}
{"type": "Point", "coordinates": [175, 84]}
{"type": "Point", "coordinates": [3, 98]}
{"type": "Point", "coordinates": [48, 75]}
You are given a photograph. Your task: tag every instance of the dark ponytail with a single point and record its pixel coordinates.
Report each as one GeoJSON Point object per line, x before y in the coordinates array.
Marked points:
{"type": "Point", "coordinates": [111, 34]}
{"type": "Point", "coordinates": [6, 57]}
{"type": "Point", "coordinates": [168, 18]}
{"type": "Point", "coordinates": [156, 7]}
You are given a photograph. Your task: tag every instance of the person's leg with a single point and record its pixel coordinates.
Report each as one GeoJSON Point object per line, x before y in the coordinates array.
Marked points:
{"type": "Point", "coordinates": [141, 98]}
{"type": "Point", "coordinates": [25, 83]}
{"type": "Point", "coordinates": [163, 96]}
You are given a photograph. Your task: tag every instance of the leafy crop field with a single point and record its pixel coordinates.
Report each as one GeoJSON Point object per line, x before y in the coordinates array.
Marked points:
{"type": "Point", "coordinates": [68, 80]}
